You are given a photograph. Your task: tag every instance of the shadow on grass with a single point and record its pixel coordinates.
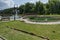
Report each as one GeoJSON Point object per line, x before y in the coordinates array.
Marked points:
{"type": "Point", "coordinates": [28, 33]}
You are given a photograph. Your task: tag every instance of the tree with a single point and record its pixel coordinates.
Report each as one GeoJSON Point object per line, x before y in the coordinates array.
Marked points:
{"type": "Point", "coordinates": [29, 8]}
{"type": "Point", "coordinates": [21, 9]}
{"type": "Point", "coordinates": [54, 6]}
{"type": "Point", "coordinates": [39, 8]}
{"type": "Point", "coordinates": [7, 11]}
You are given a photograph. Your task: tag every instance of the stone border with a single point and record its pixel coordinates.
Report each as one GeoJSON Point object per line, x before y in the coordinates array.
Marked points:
{"type": "Point", "coordinates": [30, 22]}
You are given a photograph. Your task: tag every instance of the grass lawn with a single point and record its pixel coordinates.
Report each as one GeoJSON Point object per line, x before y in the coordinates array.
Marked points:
{"type": "Point", "coordinates": [42, 30]}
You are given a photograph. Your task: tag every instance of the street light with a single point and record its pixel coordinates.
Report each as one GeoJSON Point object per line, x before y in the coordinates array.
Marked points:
{"type": "Point", "coordinates": [15, 11]}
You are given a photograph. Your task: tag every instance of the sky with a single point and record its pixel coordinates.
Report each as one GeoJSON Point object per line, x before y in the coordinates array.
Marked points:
{"type": "Point", "coordinates": [10, 3]}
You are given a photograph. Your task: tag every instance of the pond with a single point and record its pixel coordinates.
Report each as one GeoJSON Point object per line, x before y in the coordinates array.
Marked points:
{"type": "Point", "coordinates": [11, 17]}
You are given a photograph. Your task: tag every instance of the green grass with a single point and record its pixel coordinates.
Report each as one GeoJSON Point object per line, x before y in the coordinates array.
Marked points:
{"type": "Point", "coordinates": [42, 30]}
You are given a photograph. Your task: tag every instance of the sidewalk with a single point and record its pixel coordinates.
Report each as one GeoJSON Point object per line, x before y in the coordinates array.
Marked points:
{"type": "Point", "coordinates": [27, 21]}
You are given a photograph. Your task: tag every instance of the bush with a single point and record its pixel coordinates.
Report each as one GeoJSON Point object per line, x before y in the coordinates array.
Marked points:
{"type": "Point", "coordinates": [31, 17]}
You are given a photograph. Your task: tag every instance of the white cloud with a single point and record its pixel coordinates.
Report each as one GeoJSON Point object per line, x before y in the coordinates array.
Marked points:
{"type": "Point", "coordinates": [6, 4]}
{"type": "Point", "coordinates": [44, 1]}
{"type": "Point", "coordinates": [33, 1]}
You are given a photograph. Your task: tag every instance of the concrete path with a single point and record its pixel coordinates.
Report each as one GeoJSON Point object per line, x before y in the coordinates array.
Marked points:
{"type": "Point", "coordinates": [1, 39]}
{"type": "Point", "coordinates": [27, 21]}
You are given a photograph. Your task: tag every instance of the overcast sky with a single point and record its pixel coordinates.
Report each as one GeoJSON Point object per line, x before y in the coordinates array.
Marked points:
{"type": "Point", "coordinates": [10, 3]}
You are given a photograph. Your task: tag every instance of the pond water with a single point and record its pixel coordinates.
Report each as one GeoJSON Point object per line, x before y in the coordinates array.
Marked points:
{"type": "Point", "coordinates": [12, 17]}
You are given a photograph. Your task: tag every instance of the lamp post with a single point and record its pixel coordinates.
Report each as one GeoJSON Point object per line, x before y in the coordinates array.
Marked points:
{"type": "Point", "coordinates": [15, 12]}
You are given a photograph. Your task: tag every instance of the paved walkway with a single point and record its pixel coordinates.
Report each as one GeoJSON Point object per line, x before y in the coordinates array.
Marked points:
{"type": "Point", "coordinates": [1, 39]}
{"type": "Point", "coordinates": [27, 21]}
